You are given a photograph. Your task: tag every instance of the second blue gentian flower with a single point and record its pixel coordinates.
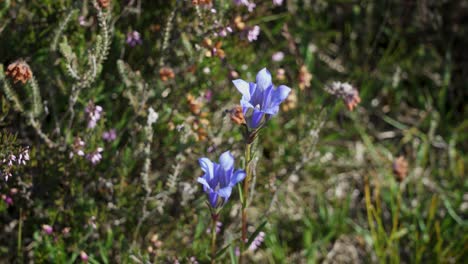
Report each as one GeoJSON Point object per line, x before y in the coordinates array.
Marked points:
{"type": "Point", "coordinates": [219, 178]}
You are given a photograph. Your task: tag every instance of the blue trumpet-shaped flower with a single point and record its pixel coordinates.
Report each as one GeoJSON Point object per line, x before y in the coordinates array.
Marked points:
{"type": "Point", "coordinates": [219, 179]}
{"type": "Point", "coordinates": [262, 98]}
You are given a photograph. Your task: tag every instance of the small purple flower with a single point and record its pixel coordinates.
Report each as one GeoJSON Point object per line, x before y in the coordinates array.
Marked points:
{"type": "Point", "coordinates": [8, 200]}
{"type": "Point", "coordinates": [134, 38]}
{"type": "Point", "coordinates": [84, 257]}
{"type": "Point", "coordinates": [82, 21]}
{"type": "Point", "coordinates": [277, 2]}
{"type": "Point", "coordinates": [257, 241]}
{"type": "Point", "coordinates": [218, 228]}
{"type": "Point", "coordinates": [225, 31]}
{"type": "Point", "coordinates": [47, 229]}
{"type": "Point", "coordinates": [277, 56]}
{"type": "Point", "coordinates": [261, 99]}
{"type": "Point", "coordinates": [250, 5]}
{"type": "Point", "coordinates": [109, 136]}
{"type": "Point", "coordinates": [219, 179]}
{"type": "Point", "coordinates": [241, 2]}
{"type": "Point", "coordinates": [253, 33]}
{"type": "Point", "coordinates": [208, 95]}
{"type": "Point", "coordinates": [93, 113]}
{"type": "Point", "coordinates": [95, 157]}
{"type": "Point", "coordinates": [193, 260]}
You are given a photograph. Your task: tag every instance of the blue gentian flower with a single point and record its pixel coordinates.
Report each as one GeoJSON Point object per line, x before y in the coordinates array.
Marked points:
{"type": "Point", "coordinates": [219, 179]}
{"type": "Point", "coordinates": [262, 98]}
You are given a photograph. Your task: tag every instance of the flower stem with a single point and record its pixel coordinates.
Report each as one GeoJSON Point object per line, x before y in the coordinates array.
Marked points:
{"type": "Point", "coordinates": [214, 219]}
{"type": "Point", "coordinates": [20, 236]}
{"type": "Point", "coordinates": [247, 180]}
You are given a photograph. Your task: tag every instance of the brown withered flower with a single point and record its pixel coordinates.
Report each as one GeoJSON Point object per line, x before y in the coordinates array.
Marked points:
{"type": "Point", "coordinates": [281, 74]}
{"type": "Point", "coordinates": [305, 77]}
{"type": "Point", "coordinates": [237, 116]}
{"type": "Point", "coordinates": [19, 71]}
{"type": "Point", "coordinates": [166, 73]}
{"type": "Point", "coordinates": [345, 91]}
{"type": "Point", "coordinates": [238, 23]}
{"type": "Point", "coordinates": [104, 3]}
{"type": "Point", "coordinates": [213, 50]}
{"type": "Point", "coordinates": [195, 105]}
{"type": "Point", "coordinates": [290, 102]}
{"type": "Point", "coordinates": [155, 27]}
{"type": "Point", "coordinates": [400, 168]}
{"type": "Point", "coordinates": [198, 126]}
{"type": "Point", "coordinates": [201, 2]}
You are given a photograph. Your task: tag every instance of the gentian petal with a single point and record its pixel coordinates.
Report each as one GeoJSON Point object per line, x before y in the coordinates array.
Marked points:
{"type": "Point", "coordinates": [263, 79]}
{"type": "Point", "coordinates": [213, 198]}
{"type": "Point", "coordinates": [205, 184]}
{"type": "Point", "coordinates": [273, 110]}
{"type": "Point", "coordinates": [256, 118]}
{"type": "Point", "coordinates": [207, 167]}
{"type": "Point", "coordinates": [239, 175]}
{"type": "Point", "coordinates": [280, 94]}
{"type": "Point", "coordinates": [243, 87]}
{"type": "Point", "coordinates": [245, 105]}
{"type": "Point", "coordinates": [267, 97]}
{"type": "Point", "coordinates": [226, 160]}
{"type": "Point", "coordinates": [225, 192]}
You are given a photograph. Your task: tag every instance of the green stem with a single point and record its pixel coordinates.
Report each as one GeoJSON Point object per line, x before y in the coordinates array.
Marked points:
{"type": "Point", "coordinates": [213, 239]}
{"type": "Point", "coordinates": [247, 180]}
{"type": "Point", "coordinates": [20, 235]}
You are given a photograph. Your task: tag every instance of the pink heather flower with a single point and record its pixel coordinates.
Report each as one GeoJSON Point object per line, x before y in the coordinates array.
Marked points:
{"type": "Point", "coordinates": [82, 21]}
{"type": "Point", "coordinates": [250, 5]}
{"type": "Point", "coordinates": [93, 113]}
{"type": "Point", "coordinates": [134, 38]}
{"type": "Point", "coordinates": [208, 95]}
{"type": "Point", "coordinates": [109, 136]}
{"type": "Point", "coordinates": [253, 33]}
{"type": "Point", "coordinates": [95, 157]}
{"type": "Point", "coordinates": [218, 228]}
{"type": "Point", "coordinates": [84, 257]}
{"type": "Point", "coordinates": [345, 91]}
{"type": "Point", "coordinates": [47, 229]}
{"type": "Point", "coordinates": [277, 2]}
{"type": "Point", "coordinates": [77, 147]}
{"type": "Point", "coordinates": [241, 2]}
{"type": "Point", "coordinates": [257, 241]}
{"type": "Point", "coordinates": [7, 199]}
{"type": "Point", "coordinates": [224, 31]}
{"type": "Point", "coordinates": [23, 156]}
{"type": "Point", "coordinates": [277, 56]}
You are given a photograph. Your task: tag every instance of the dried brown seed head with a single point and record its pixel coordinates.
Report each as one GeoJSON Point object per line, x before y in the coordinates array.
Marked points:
{"type": "Point", "coordinates": [166, 73]}
{"type": "Point", "coordinates": [400, 168]}
{"type": "Point", "coordinates": [19, 71]}
{"type": "Point", "coordinates": [237, 115]}
{"type": "Point", "coordinates": [305, 77]}
{"type": "Point", "coordinates": [104, 3]}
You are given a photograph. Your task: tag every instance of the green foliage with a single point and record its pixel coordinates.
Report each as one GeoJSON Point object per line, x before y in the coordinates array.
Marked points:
{"type": "Point", "coordinates": [324, 184]}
